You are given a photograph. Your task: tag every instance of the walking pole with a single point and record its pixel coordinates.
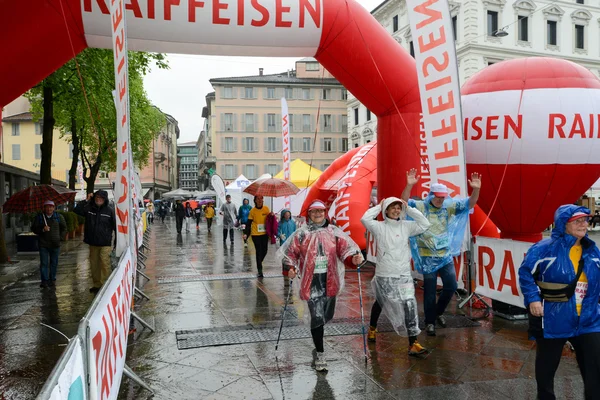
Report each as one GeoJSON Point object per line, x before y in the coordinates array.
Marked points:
{"type": "Point", "coordinates": [362, 313]}
{"type": "Point", "coordinates": [287, 300]}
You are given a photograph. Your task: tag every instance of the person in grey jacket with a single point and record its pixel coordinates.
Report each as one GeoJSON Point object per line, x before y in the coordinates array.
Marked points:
{"type": "Point", "coordinates": [50, 227]}
{"type": "Point", "coordinates": [229, 213]}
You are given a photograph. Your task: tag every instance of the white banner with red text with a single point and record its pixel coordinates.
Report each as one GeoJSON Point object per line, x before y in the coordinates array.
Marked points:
{"type": "Point", "coordinates": [122, 184]}
{"type": "Point", "coordinates": [107, 331]}
{"type": "Point", "coordinates": [459, 262]}
{"type": "Point", "coordinates": [437, 71]}
{"type": "Point", "coordinates": [285, 148]}
{"type": "Point", "coordinates": [67, 379]}
{"type": "Point", "coordinates": [497, 263]}
{"type": "Point", "coordinates": [222, 27]}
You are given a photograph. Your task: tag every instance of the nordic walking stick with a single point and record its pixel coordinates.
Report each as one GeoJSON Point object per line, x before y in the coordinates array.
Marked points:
{"type": "Point", "coordinates": [287, 300]}
{"type": "Point", "coordinates": [362, 313]}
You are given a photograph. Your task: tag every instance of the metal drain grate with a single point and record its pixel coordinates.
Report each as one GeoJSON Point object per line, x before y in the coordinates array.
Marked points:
{"type": "Point", "coordinates": [215, 277]}
{"type": "Point", "coordinates": [293, 329]}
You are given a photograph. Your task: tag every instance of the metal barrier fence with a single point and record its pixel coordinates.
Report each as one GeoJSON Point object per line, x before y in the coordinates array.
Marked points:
{"type": "Point", "coordinates": [93, 364]}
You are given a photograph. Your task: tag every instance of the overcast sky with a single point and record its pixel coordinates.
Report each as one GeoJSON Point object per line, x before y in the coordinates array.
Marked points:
{"type": "Point", "coordinates": [181, 90]}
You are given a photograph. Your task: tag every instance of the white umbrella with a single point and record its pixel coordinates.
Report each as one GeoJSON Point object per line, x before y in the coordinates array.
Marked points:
{"type": "Point", "coordinates": [177, 193]}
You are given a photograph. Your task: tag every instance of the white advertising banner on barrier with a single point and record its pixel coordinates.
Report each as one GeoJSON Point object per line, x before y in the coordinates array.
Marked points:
{"type": "Point", "coordinates": [437, 71]}
{"type": "Point", "coordinates": [122, 183]}
{"type": "Point", "coordinates": [108, 331]}
{"type": "Point", "coordinates": [67, 381]}
{"type": "Point", "coordinates": [497, 269]}
{"type": "Point", "coordinates": [285, 148]}
{"type": "Point", "coordinates": [223, 27]}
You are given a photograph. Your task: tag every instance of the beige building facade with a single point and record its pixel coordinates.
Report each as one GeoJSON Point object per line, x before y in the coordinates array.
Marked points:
{"type": "Point", "coordinates": [244, 120]}
{"type": "Point", "coordinates": [22, 137]}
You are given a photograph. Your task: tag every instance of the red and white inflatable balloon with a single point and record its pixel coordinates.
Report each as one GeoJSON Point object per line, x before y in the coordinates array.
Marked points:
{"type": "Point", "coordinates": [532, 128]}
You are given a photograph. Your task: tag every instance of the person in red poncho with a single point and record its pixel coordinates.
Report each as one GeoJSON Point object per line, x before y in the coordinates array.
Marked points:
{"type": "Point", "coordinates": [316, 253]}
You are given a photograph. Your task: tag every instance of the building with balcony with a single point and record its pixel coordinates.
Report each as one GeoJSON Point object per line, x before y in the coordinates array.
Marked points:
{"type": "Point", "coordinates": [490, 31]}
{"type": "Point", "coordinates": [207, 162]}
{"type": "Point", "coordinates": [187, 156]}
{"type": "Point", "coordinates": [244, 120]}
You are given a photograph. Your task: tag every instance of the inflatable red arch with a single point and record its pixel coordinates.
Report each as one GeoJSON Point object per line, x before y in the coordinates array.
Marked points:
{"type": "Point", "coordinates": [44, 34]}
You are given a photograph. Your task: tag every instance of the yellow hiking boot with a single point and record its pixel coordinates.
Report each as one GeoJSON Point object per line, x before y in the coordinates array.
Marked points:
{"type": "Point", "coordinates": [372, 334]}
{"type": "Point", "coordinates": [417, 350]}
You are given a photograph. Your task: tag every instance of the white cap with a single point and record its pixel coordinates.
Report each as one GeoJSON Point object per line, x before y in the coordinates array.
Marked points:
{"type": "Point", "coordinates": [317, 205]}
{"type": "Point", "coordinates": [439, 190]}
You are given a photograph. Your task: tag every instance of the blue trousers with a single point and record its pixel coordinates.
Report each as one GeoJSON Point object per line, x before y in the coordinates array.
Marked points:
{"type": "Point", "coordinates": [48, 258]}
{"type": "Point", "coordinates": [448, 275]}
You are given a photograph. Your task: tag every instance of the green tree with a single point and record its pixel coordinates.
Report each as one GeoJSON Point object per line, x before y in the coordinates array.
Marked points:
{"type": "Point", "coordinates": [88, 119]}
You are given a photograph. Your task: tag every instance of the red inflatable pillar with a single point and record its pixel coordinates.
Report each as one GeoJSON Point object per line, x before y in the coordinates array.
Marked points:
{"type": "Point", "coordinates": [365, 58]}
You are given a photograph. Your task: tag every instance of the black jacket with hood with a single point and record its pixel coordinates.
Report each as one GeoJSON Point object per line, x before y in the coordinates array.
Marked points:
{"type": "Point", "coordinates": [100, 221]}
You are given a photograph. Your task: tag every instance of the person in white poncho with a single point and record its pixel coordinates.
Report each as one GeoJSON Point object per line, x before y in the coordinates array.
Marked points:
{"type": "Point", "coordinates": [393, 283]}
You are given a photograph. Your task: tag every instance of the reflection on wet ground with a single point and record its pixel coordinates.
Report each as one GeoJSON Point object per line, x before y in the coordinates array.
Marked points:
{"type": "Point", "coordinates": [492, 361]}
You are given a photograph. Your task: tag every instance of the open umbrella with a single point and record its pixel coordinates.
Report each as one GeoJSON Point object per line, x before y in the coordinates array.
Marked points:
{"type": "Point", "coordinates": [272, 187]}
{"type": "Point", "coordinates": [178, 193]}
{"type": "Point", "coordinates": [32, 198]}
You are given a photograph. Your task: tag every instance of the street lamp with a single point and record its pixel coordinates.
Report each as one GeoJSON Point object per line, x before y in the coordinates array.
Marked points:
{"type": "Point", "coordinates": [501, 33]}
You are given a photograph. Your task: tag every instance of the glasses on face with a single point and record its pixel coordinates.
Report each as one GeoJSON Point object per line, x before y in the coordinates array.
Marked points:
{"type": "Point", "coordinates": [317, 211]}
{"type": "Point", "coordinates": [580, 221]}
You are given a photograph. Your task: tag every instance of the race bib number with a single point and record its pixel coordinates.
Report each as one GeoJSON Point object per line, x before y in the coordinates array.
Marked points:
{"type": "Point", "coordinates": [321, 265]}
{"type": "Point", "coordinates": [441, 242]}
{"type": "Point", "coordinates": [260, 228]}
{"type": "Point", "coordinates": [580, 291]}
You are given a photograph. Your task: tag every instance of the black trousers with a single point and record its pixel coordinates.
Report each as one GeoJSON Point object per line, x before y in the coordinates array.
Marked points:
{"type": "Point", "coordinates": [317, 336]}
{"type": "Point", "coordinates": [376, 312]}
{"type": "Point", "coordinates": [230, 234]}
{"type": "Point", "coordinates": [587, 352]}
{"type": "Point", "coordinates": [209, 223]}
{"type": "Point", "coordinates": [198, 216]}
{"type": "Point", "coordinates": [179, 223]}
{"type": "Point", "coordinates": [261, 244]}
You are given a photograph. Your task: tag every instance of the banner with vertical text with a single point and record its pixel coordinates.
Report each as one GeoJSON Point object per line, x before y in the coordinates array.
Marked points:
{"type": "Point", "coordinates": [122, 184]}
{"type": "Point", "coordinates": [285, 140]}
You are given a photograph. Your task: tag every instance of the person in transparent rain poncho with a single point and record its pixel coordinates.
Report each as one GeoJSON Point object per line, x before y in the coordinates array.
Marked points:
{"type": "Point", "coordinates": [393, 283]}
{"type": "Point", "coordinates": [316, 253]}
{"type": "Point", "coordinates": [433, 250]}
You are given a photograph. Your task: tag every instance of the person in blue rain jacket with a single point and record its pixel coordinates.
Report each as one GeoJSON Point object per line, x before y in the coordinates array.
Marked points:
{"type": "Point", "coordinates": [560, 281]}
{"type": "Point", "coordinates": [286, 226]}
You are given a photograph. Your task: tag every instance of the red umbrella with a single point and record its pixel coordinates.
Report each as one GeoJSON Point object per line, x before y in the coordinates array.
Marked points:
{"type": "Point", "coordinates": [32, 198]}
{"type": "Point", "coordinates": [272, 187]}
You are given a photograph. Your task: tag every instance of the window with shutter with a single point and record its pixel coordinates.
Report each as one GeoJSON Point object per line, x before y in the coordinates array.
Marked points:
{"type": "Point", "coordinates": [271, 145]}
{"type": "Point", "coordinates": [289, 93]}
{"type": "Point", "coordinates": [306, 144]}
{"type": "Point", "coordinates": [278, 122]}
{"type": "Point", "coordinates": [344, 145]}
{"type": "Point", "coordinates": [291, 122]}
{"type": "Point", "coordinates": [249, 122]}
{"type": "Point", "coordinates": [228, 92]}
{"type": "Point", "coordinates": [229, 122]}
{"type": "Point", "coordinates": [38, 128]}
{"type": "Point", "coordinates": [327, 145]}
{"type": "Point", "coordinates": [306, 94]}
{"type": "Point", "coordinates": [249, 93]}
{"type": "Point", "coordinates": [305, 122]}
{"type": "Point", "coordinates": [327, 124]}
{"type": "Point", "coordinates": [344, 123]}
{"type": "Point", "coordinates": [38, 151]}
{"type": "Point", "coordinates": [16, 129]}
{"type": "Point", "coordinates": [270, 93]}
{"type": "Point", "coordinates": [16, 151]}
{"type": "Point", "coordinates": [271, 123]}
{"type": "Point", "coordinates": [70, 151]}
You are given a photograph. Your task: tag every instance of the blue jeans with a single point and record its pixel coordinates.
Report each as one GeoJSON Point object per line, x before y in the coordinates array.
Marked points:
{"type": "Point", "coordinates": [448, 275]}
{"type": "Point", "coordinates": [48, 254]}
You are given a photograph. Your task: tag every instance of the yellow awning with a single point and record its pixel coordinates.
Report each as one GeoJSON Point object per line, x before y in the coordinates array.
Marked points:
{"type": "Point", "coordinates": [299, 173]}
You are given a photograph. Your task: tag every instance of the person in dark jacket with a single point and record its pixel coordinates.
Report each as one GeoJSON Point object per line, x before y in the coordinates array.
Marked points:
{"type": "Point", "coordinates": [198, 215]}
{"type": "Point", "coordinates": [179, 215]}
{"type": "Point", "coordinates": [100, 223]}
{"type": "Point", "coordinates": [50, 227]}
{"type": "Point", "coordinates": [560, 281]}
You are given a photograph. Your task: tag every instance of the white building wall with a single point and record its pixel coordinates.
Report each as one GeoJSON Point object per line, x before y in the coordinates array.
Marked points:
{"type": "Point", "coordinates": [476, 50]}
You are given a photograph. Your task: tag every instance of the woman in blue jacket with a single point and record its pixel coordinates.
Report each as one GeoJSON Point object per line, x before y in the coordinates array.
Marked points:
{"type": "Point", "coordinates": [243, 213]}
{"type": "Point", "coordinates": [286, 227]}
{"type": "Point", "coordinates": [560, 281]}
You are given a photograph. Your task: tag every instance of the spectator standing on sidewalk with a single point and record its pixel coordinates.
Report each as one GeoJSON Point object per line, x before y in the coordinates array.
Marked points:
{"type": "Point", "coordinates": [50, 227]}
{"type": "Point", "coordinates": [189, 213]}
{"type": "Point", "coordinates": [229, 213]}
{"type": "Point", "coordinates": [257, 229]}
{"type": "Point", "coordinates": [100, 224]}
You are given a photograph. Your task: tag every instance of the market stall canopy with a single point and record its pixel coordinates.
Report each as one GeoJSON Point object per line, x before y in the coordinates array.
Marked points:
{"type": "Point", "coordinates": [203, 194]}
{"type": "Point", "coordinates": [301, 174]}
{"type": "Point", "coordinates": [177, 193]}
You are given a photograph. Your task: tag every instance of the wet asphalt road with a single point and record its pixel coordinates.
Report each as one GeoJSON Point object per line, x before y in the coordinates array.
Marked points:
{"type": "Point", "coordinates": [491, 361]}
